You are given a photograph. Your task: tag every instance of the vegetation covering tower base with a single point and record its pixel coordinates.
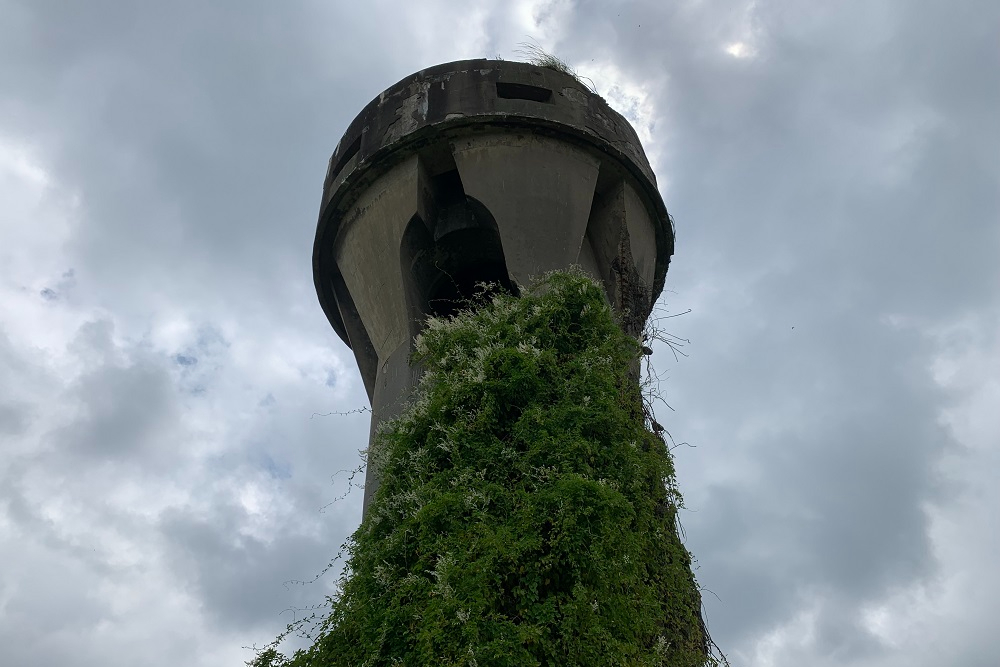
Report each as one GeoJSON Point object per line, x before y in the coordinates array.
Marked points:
{"type": "Point", "coordinates": [526, 516]}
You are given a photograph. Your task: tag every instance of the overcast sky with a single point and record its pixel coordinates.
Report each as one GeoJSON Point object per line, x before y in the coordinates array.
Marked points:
{"type": "Point", "coordinates": [833, 169]}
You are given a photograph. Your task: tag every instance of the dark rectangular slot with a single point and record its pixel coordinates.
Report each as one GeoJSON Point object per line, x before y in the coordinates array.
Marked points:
{"type": "Point", "coordinates": [522, 91]}
{"type": "Point", "coordinates": [351, 151]}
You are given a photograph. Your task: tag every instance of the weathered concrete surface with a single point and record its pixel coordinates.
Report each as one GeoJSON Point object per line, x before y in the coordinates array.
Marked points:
{"type": "Point", "coordinates": [367, 251]}
{"type": "Point", "coordinates": [539, 191]}
{"type": "Point", "coordinates": [478, 170]}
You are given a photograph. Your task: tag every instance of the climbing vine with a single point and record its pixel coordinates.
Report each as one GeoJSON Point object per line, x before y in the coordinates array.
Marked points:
{"type": "Point", "coordinates": [526, 515]}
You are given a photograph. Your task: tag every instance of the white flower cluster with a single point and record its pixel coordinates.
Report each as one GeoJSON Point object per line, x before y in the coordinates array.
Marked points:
{"type": "Point", "coordinates": [545, 473]}
{"type": "Point", "coordinates": [529, 347]}
{"type": "Point", "coordinates": [476, 500]}
{"type": "Point", "coordinates": [383, 574]}
{"type": "Point", "coordinates": [399, 505]}
{"type": "Point", "coordinates": [610, 483]}
{"type": "Point", "coordinates": [440, 575]}
{"type": "Point", "coordinates": [661, 647]}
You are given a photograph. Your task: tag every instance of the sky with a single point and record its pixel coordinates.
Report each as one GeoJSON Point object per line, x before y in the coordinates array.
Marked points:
{"type": "Point", "coordinates": [171, 481]}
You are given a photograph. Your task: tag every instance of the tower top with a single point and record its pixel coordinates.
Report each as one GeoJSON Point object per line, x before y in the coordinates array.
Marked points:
{"type": "Point", "coordinates": [426, 113]}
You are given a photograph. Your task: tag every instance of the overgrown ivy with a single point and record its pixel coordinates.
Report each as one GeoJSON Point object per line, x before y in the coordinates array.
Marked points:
{"type": "Point", "coordinates": [526, 514]}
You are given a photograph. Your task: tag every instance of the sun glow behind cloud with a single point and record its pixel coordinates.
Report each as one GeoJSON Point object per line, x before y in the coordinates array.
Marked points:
{"type": "Point", "coordinates": [739, 50]}
{"type": "Point", "coordinates": [743, 34]}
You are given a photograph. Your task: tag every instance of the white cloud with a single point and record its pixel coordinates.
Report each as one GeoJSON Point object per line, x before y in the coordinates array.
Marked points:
{"type": "Point", "coordinates": [118, 423]}
{"type": "Point", "coordinates": [632, 99]}
{"type": "Point", "coordinates": [18, 162]}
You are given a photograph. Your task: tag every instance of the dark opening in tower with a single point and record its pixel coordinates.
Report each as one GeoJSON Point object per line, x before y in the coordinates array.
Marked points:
{"type": "Point", "coordinates": [451, 256]}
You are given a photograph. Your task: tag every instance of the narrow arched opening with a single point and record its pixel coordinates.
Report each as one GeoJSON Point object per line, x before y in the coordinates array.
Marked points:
{"type": "Point", "coordinates": [453, 260]}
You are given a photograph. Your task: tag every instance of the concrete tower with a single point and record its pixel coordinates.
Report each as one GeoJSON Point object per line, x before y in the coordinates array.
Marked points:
{"type": "Point", "coordinates": [472, 171]}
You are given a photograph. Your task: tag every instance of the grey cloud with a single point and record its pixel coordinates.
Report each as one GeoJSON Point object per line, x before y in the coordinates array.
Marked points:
{"type": "Point", "coordinates": [212, 127]}
{"type": "Point", "coordinates": [20, 383]}
{"type": "Point", "coordinates": [12, 418]}
{"type": "Point", "coordinates": [126, 405]}
{"type": "Point", "coordinates": [243, 580]}
{"type": "Point", "coordinates": [126, 429]}
{"type": "Point", "coordinates": [203, 361]}
{"type": "Point", "coordinates": [65, 283]}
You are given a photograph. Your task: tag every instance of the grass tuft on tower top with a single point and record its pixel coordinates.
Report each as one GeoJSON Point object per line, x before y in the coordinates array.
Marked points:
{"type": "Point", "coordinates": [539, 57]}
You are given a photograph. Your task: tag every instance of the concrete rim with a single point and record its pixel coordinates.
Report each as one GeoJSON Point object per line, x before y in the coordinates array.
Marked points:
{"type": "Point", "coordinates": [406, 116]}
